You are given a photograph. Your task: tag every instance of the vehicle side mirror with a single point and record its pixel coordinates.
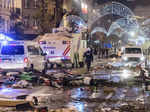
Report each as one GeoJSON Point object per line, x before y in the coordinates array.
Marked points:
{"type": "Point", "coordinates": [43, 54]}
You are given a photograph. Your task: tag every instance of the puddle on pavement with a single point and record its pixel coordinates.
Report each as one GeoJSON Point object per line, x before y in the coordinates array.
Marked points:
{"type": "Point", "coordinates": [90, 99]}
{"type": "Point", "coordinates": [87, 100]}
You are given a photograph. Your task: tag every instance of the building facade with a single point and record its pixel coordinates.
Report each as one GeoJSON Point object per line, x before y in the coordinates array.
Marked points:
{"type": "Point", "coordinates": [5, 15]}
{"type": "Point", "coordinates": [24, 11]}
{"type": "Point", "coordinates": [29, 10]}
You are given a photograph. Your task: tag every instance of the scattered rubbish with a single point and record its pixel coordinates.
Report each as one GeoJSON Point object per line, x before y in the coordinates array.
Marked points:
{"type": "Point", "coordinates": [22, 84]}
{"type": "Point", "coordinates": [63, 110]}
{"type": "Point", "coordinates": [13, 102]}
{"type": "Point", "coordinates": [115, 79]}
{"type": "Point", "coordinates": [24, 106]}
{"type": "Point", "coordinates": [102, 77]}
{"type": "Point", "coordinates": [109, 90]}
{"type": "Point", "coordinates": [87, 80]}
{"type": "Point", "coordinates": [86, 90]}
{"type": "Point", "coordinates": [109, 96]}
{"type": "Point", "coordinates": [26, 76]}
{"type": "Point", "coordinates": [116, 64]}
{"type": "Point", "coordinates": [95, 95]}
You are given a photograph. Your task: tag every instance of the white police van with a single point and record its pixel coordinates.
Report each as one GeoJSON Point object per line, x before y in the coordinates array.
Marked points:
{"type": "Point", "coordinates": [133, 55]}
{"type": "Point", "coordinates": [19, 55]}
{"type": "Point", "coordinates": [58, 52]}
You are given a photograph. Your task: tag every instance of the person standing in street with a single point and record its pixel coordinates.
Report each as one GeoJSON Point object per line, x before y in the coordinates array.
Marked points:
{"type": "Point", "coordinates": [88, 58]}
{"type": "Point", "coordinates": [119, 53]}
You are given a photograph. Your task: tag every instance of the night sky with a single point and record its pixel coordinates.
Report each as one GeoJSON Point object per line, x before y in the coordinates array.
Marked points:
{"type": "Point", "coordinates": [139, 7]}
{"type": "Point", "coordinates": [130, 3]}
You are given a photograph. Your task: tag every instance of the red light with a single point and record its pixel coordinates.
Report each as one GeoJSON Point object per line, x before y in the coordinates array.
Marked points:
{"type": "Point", "coordinates": [25, 60]}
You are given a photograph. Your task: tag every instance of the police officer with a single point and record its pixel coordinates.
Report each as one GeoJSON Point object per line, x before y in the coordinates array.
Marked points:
{"type": "Point", "coordinates": [88, 58]}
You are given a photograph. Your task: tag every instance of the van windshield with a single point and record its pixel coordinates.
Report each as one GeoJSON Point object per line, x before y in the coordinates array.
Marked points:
{"type": "Point", "coordinates": [133, 50]}
{"type": "Point", "coordinates": [12, 50]}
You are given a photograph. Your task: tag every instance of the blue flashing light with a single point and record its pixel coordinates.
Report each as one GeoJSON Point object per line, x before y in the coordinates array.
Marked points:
{"type": "Point", "coordinates": [4, 37]}
{"type": "Point", "coordinates": [5, 42]}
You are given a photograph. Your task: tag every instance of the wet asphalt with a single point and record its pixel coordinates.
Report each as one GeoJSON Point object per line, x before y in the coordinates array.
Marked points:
{"type": "Point", "coordinates": [116, 94]}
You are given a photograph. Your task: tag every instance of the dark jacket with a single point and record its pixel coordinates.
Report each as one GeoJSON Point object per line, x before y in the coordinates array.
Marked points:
{"type": "Point", "coordinates": [88, 56]}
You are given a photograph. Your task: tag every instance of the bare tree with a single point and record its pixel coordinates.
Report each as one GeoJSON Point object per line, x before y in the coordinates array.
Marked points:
{"type": "Point", "coordinates": [45, 17]}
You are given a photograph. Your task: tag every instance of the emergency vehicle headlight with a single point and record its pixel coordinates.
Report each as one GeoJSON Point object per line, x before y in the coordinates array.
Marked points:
{"type": "Point", "coordinates": [142, 58]}
{"type": "Point", "coordinates": [125, 74]}
{"type": "Point", "coordinates": [125, 58]}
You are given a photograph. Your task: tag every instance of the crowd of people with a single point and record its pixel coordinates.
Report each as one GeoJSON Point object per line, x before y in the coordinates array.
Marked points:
{"type": "Point", "coordinates": [103, 53]}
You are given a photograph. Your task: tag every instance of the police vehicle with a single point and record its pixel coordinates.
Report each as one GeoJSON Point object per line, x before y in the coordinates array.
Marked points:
{"type": "Point", "coordinates": [20, 56]}
{"type": "Point", "coordinates": [58, 51]}
{"type": "Point", "coordinates": [133, 54]}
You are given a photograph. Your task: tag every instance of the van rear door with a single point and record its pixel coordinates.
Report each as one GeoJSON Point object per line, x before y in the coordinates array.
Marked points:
{"type": "Point", "coordinates": [35, 57]}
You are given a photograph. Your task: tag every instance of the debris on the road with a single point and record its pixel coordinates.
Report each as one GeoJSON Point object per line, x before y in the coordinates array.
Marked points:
{"type": "Point", "coordinates": [101, 86]}
{"type": "Point", "coordinates": [63, 110]}
{"type": "Point", "coordinates": [26, 76]}
{"type": "Point", "coordinates": [87, 80]}
{"type": "Point", "coordinates": [22, 84]}
{"type": "Point", "coordinates": [116, 64]}
{"type": "Point", "coordinates": [12, 102]}
{"type": "Point", "coordinates": [109, 90]}
{"type": "Point", "coordinates": [109, 96]}
{"type": "Point", "coordinates": [24, 106]}
{"type": "Point", "coordinates": [115, 79]}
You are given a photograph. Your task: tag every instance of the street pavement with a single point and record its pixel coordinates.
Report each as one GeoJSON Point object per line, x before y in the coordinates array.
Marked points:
{"type": "Point", "coordinates": [110, 95]}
